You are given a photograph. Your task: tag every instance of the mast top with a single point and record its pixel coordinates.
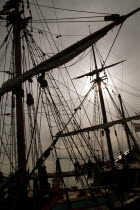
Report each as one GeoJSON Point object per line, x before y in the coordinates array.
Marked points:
{"type": "Point", "coordinates": [99, 70]}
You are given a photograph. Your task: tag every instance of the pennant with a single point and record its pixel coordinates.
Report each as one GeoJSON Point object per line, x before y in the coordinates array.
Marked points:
{"type": "Point", "coordinates": [136, 126]}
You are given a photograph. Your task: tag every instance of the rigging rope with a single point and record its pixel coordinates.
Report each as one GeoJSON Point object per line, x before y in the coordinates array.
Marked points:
{"type": "Point", "coordinates": [71, 10]}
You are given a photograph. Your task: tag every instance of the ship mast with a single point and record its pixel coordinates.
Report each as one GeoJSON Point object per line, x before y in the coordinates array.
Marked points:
{"type": "Point", "coordinates": [19, 101]}
{"type": "Point", "coordinates": [107, 131]}
{"type": "Point", "coordinates": [125, 125]}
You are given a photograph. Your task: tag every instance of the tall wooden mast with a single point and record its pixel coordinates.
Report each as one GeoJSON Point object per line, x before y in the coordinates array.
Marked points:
{"type": "Point", "coordinates": [107, 131]}
{"type": "Point", "coordinates": [125, 125]}
{"type": "Point", "coordinates": [19, 101]}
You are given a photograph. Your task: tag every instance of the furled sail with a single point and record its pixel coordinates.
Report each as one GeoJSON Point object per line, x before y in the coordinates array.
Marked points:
{"type": "Point", "coordinates": [64, 56]}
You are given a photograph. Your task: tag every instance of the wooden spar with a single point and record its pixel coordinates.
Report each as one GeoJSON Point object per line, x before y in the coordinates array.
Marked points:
{"type": "Point", "coordinates": [64, 56]}
{"type": "Point", "coordinates": [99, 70]}
{"type": "Point", "coordinates": [101, 126]}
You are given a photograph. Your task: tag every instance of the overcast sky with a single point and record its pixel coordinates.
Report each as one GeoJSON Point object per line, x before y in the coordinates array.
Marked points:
{"type": "Point", "coordinates": [127, 46]}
